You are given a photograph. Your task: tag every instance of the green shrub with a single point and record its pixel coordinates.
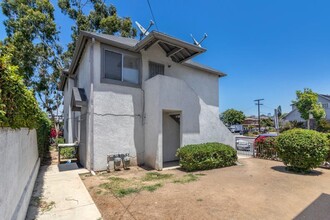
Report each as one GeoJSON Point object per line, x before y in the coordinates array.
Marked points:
{"type": "Point", "coordinates": [206, 156]}
{"type": "Point", "coordinates": [59, 141]}
{"type": "Point", "coordinates": [302, 150]}
{"type": "Point", "coordinates": [18, 106]}
{"type": "Point", "coordinates": [323, 126]}
{"type": "Point", "coordinates": [67, 153]}
{"type": "Point", "coordinates": [43, 130]}
{"type": "Point", "coordinates": [266, 147]}
{"type": "Point", "coordinates": [328, 137]}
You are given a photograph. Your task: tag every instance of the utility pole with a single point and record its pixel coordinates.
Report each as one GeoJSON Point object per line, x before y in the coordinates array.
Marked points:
{"type": "Point", "coordinates": [258, 104]}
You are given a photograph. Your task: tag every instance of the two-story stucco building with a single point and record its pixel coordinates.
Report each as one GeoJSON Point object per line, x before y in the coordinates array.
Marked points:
{"type": "Point", "coordinates": [146, 98]}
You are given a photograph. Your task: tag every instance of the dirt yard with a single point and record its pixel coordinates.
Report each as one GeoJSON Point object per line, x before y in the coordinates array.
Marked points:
{"type": "Point", "coordinates": [257, 189]}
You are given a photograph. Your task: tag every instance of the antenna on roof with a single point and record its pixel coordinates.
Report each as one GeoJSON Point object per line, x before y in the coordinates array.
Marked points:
{"type": "Point", "coordinates": [144, 32]}
{"type": "Point", "coordinates": [198, 43]}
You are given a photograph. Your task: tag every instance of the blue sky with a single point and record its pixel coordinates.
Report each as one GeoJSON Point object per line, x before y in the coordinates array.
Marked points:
{"type": "Point", "coordinates": [269, 49]}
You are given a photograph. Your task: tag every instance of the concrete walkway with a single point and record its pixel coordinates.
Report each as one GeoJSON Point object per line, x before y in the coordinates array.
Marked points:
{"type": "Point", "coordinates": [59, 193]}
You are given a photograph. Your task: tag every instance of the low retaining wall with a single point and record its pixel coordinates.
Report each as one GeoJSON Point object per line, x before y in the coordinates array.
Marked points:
{"type": "Point", "coordinates": [19, 165]}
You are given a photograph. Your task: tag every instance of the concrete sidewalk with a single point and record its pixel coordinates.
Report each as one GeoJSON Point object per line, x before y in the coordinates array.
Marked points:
{"type": "Point", "coordinates": [59, 193]}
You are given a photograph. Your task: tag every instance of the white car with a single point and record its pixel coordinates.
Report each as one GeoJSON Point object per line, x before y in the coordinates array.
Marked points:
{"type": "Point", "coordinates": [243, 145]}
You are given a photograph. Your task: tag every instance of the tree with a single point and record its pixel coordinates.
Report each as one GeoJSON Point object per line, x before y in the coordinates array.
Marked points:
{"type": "Point", "coordinates": [267, 122]}
{"type": "Point", "coordinates": [307, 103]}
{"type": "Point", "coordinates": [32, 41]}
{"type": "Point", "coordinates": [102, 19]}
{"type": "Point", "coordinates": [232, 116]}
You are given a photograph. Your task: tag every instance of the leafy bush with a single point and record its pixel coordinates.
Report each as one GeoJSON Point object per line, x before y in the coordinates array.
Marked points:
{"type": "Point", "coordinates": [323, 126]}
{"type": "Point", "coordinates": [328, 137]}
{"type": "Point", "coordinates": [18, 106]}
{"type": "Point", "coordinates": [43, 130]}
{"type": "Point", "coordinates": [302, 150]}
{"type": "Point", "coordinates": [266, 147]}
{"type": "Point", "coordinates": [59, 141]}
{"type": "Point", "coordinates": [291, 125]}
{"type": "Point", "coordinates": [206, 156]}
{"type": "Point", "coordinates": [67, 153]}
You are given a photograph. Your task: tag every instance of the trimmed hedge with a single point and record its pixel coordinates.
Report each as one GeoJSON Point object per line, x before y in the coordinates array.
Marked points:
{"type": "Point", "coordinates": [302, 150]}
{"type": "Point", "coordinates": [206, 156]}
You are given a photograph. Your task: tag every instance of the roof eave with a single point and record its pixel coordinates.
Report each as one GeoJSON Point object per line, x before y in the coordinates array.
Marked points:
{"type": "Point", "coordinates": [220, 74]}
{"type": "Point", "coordinates": [80, 44]}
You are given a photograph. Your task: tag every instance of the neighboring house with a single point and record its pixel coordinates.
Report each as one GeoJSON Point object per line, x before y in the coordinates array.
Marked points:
{"type": "Point", "coordinates": [146, 98]}
{"type": "Point", "coordinates": [294, 115]}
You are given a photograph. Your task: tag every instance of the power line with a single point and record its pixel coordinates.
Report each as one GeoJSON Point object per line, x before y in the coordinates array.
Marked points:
{"type": "Point", "coordinates": [152, 14]}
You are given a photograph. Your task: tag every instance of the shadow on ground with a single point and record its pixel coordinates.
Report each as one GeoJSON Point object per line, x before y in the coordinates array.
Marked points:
{"type": "Point", "coordinates": [319, 209]}
{"type": "Point", "coordinates": [283, 169]}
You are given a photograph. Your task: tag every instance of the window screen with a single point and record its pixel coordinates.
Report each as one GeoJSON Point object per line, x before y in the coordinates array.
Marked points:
{"type": "Point", "coordinates": [113, 65]}
{"type": "Point", "coordinates": [155, 69]}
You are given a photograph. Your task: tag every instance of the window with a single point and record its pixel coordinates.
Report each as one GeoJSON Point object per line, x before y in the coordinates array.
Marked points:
{"type": "Point", "coordinates": [120, 67]}
{"type": "Point", "coordinates": [131, 69]}
{"type": "Point", "coordinates": [325, 105]}
{"type": "Point", "coordinates": [155, 69]}
{"type": "Point", "coordinates": [113, 65]}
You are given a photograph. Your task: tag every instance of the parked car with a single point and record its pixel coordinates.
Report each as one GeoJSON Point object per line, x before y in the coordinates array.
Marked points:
{"type": "Point", "coordinates": [243, 145]}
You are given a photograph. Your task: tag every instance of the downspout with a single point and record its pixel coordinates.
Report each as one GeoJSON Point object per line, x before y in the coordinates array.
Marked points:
{"type": "Point", "coordinates": [91, 124]}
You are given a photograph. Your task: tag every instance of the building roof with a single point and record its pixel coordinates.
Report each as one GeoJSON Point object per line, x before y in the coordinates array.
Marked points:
{"type": "Point", "coordinates": [179, 51]}
{"type": "Point", "coordinates": [325, 96]}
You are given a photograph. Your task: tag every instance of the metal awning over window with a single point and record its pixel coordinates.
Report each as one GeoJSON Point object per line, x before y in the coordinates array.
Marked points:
{"type": "Point", "coordinates": [78, 99]}
{"type": "Point", "coordinates": [179, 51]}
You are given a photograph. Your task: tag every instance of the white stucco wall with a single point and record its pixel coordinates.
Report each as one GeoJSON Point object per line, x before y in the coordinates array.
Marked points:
{"type": "Point", "coordinates": [81, 120]}
{"type": "Point", "coordinates": [118, 112]}
{"type": "Point", "coordinates": [19, 168]}
{"type": "Point", "coordinates": [68, 116]}
{"type": "Point", "coordinates": [204, 84]}
{"type": "Point", "coordinates": [199, 123]}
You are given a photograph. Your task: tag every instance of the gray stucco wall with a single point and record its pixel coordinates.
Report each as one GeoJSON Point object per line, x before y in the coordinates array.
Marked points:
{"type": "Point", "coordinates": [204, 84]}
{"type": "Point", "coordinates": [19, 169]}
{"type": "Point", "coordinates": [68, 115]}
{"type": "Point", "coordinates": [199, 123]}
{"type": "Point", "coordinates": [118, 119]}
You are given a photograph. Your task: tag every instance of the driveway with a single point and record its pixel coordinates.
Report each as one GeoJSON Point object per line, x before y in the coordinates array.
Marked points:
{"type": "Point", "coordinates": [256, 189]}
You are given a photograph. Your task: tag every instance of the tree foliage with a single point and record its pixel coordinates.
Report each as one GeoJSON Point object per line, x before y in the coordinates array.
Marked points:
{"type": "Point", "coordinates": [307, 103]}
{"type": "Point", "coordinates": [102, 19]}
{"type": "Point", "coordinates": [232, 116]}
{"type": "Point", "coordinates": [32, 40]}
{"type": "Point", "coordinates": [266, 122]}
{"type": "Point", "coordinates": [18, 106]}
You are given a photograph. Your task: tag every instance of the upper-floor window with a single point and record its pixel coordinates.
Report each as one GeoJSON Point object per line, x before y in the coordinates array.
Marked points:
{"type": "Point", "coordinates": [325, 105]}
{"type": "Point", "coordinates": [155, 69]}
{"type": "Point", "coordinates": [120, 67]}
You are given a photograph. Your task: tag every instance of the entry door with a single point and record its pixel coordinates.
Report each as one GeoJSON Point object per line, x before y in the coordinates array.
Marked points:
{"type": "Point", "coordinates": [171, 135]}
